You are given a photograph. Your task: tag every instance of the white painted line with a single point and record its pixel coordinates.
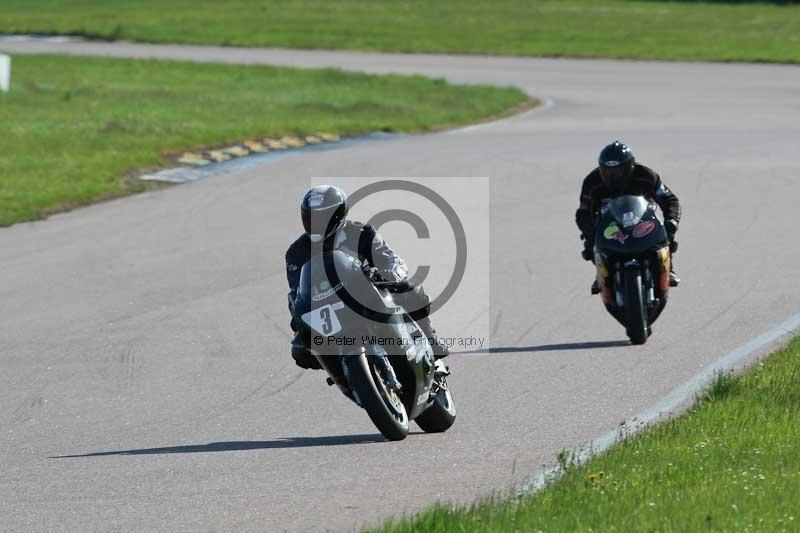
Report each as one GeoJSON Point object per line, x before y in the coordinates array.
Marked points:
{"type": "Point", "coordinates": [5, 72]}
{"type": "Point", "coordinates": [546, 103]}
{"type": "Point", "coordinates": [40, 38]}
{"type": "Point", "coordinates": [673, 400]}
{"type": "Point", "coordinates": [185, 174]}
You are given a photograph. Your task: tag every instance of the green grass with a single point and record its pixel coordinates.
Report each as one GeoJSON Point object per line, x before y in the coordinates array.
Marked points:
{"type": "Point", "coordinates": [73, 128]}
{"type": "Point", "coordinates": [732, 463]}
{"type": "Point", "coordinates": [729, 31]}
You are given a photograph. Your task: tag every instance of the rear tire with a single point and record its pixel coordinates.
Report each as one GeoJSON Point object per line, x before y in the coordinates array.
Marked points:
{"type": "Point", "coordinates": [384, 408]}
{"type": "Point", "coordinates": [439, 416]}
{"type": "Point", "coordinates": [635, 316]}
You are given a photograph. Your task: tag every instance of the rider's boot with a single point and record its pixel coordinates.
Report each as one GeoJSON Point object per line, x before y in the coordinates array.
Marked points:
{"type": "Point", "coordinates": [674, 280]}
{"type": "Point", "coordinates": [302, 355]}
{"type": "Point", "coordinates": [595, 287]}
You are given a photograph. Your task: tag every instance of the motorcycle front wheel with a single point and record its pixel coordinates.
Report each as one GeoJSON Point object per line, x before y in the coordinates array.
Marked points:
{"type": "Point", "coordinates": [382, 404]}
{"type": "Point", "coordinates": [635, 315]}
{"type": "Point", "coordinates": [441, 414]}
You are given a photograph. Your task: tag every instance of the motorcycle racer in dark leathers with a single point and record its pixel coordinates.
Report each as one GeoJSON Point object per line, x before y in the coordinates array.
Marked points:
{"type": "Point", "coordinates": [618, 174]}
{"type": "Point", "coordinates": [324, 212]}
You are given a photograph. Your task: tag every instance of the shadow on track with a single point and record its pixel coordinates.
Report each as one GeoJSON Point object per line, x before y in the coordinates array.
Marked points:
{"type": "Point", "coordinates": [548, 347]}
{"type": "Point", "coordinates": [235, 446]}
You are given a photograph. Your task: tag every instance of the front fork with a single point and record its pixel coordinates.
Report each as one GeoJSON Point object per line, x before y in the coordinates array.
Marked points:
{"type": "Point", "coordinates": [386, 370]}
{"type": "Point", "coordinates": [656, 287]}
{"type": "Point", "coordinates": [382, 365]}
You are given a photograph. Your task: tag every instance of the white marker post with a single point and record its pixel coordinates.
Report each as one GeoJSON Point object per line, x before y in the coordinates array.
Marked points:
{"type": "Point", "coordinates": [5, 72]}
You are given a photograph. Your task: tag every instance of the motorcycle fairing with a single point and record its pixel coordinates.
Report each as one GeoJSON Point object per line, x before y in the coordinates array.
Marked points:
{"type": "Point", "coordinates": [619, 223]}
{"type": "Point", "coordinates": [356, 309]}
{"type": "Point", "coordinates": [629, 228]}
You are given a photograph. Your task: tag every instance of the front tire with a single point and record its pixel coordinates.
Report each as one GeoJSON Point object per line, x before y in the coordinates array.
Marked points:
{"type": "Point", "coordinates": [635, 316]}
{"type": "Point", "coordinates": [383, 406]}
{"type": "Point", "coordinates": [441, 414]}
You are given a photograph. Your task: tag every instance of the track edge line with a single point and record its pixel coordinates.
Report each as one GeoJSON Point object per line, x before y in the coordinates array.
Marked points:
{"type": "Point", "coordinates": [671, 404]}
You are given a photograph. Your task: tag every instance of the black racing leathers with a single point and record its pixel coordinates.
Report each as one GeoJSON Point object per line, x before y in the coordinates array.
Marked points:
{"type": "Point", "coordinates": [362, 240]}
{"type": "Point", "coordinates": [365, 243]}
{"type": "Point", "coordinates": [645, 182]}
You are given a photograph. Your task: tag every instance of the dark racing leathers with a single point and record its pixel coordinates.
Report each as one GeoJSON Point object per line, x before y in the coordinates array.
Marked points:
{"type": "Point", "coordinates": [365, 243]}
{"type": "Point", "coordinates": [646, 183]}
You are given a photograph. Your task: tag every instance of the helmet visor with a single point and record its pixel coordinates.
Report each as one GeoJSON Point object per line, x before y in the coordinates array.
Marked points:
{"type": "Point", "coordinates": [323, 221]}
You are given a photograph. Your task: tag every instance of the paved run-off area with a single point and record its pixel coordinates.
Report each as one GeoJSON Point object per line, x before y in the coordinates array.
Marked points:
{"type": "Point", "coordinates": [155, 326]}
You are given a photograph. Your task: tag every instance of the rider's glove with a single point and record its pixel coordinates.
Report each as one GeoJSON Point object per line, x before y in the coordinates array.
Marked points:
{"type": "Point", "coordinates": [370, 271]}
{"type": "Point", "coordinates": [672, 228]}
{"type": "Point", "coordinates": [588, 251]}
{"type": "Point", "coordinates": [389, 275]}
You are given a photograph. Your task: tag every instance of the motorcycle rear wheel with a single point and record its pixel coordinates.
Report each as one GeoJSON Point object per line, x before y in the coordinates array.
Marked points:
{"type": "Point", "coordinates": [635, 315]}
{"type": "Point", "coordinates": [383, 406]}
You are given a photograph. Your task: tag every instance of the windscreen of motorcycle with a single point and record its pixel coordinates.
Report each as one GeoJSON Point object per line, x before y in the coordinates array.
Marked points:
{"type": "Point", "coordinates": [628, 210]}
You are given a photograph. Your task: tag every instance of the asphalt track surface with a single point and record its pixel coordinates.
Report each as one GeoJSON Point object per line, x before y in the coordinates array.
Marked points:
{"type": "Point", "coordinates": [146, 379]}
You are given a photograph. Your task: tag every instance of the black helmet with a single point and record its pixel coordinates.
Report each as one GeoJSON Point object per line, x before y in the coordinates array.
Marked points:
{"type": "Point", "coordinates": [323, 210]}
{"type": "Point", "coordinates": [616, 164]}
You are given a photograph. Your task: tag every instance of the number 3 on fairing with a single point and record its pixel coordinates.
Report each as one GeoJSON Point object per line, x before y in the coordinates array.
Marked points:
{"type": "Point", "coordinates": [325, 315]}
{"type": "Point", "coordinates": [324, 320]}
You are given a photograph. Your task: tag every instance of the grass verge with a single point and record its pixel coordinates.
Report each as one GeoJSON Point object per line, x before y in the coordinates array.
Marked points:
{"type": "Point", "coordinates": [721, 30]}
{"type": "Point", "coordinates": [74, 127]}
{"type": "Point", "coordinates": [732, 463]}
